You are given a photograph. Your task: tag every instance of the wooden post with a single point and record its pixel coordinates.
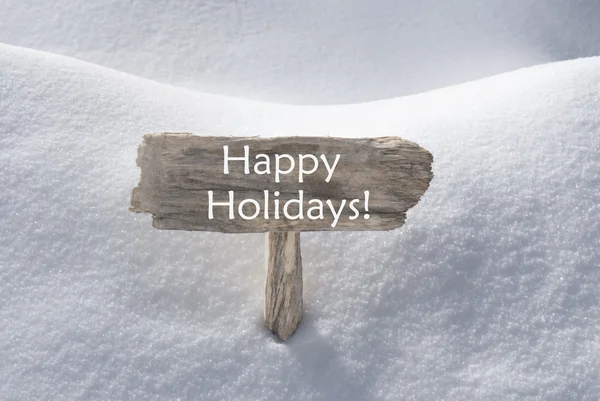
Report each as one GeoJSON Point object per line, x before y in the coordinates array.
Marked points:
{"type": "Point", "coordinates": [283, 284]}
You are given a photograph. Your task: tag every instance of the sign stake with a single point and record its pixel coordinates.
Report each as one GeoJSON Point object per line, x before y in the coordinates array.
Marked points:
{"type": "Point", "coordinates": [283, 284]}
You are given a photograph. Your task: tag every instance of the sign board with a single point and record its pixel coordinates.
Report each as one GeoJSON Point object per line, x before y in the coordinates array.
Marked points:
{"type": "Point", "coordinates": [281, 186]}
{"type": "Point", "coordinates": [251, 184]}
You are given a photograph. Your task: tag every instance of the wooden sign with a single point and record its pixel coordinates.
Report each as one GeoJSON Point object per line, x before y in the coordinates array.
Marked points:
{"type": "Point", "coordinates": [282, 186]}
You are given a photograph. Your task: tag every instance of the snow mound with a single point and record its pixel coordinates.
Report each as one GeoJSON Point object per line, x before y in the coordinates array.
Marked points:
{"type": "Point", "coordinates": [313, 51]}
{"type": "Point", "coordinates": [489, 292]}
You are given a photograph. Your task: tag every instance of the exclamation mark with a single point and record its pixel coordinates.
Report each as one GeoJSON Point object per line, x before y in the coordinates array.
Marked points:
{"type": "Point", "coordinates": [367, 204]}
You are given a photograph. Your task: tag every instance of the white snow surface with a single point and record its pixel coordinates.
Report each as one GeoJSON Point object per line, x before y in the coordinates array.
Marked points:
{"type": "Point", "coordinates": [491, 290]}
{"type": "Point", "coordinates": [309, 51]}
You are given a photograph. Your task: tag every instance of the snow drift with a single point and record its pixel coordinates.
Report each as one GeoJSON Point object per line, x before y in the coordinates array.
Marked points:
{"type": "Point", "coordinates": [489, 292]}
{"type": "Point", "coordinates": [313, 51]}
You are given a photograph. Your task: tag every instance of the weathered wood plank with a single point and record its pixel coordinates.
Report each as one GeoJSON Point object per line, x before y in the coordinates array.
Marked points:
{"type": "Point", "coordinates": [283, 284]}
{"type": "Point", "coordinates": [178, 171]}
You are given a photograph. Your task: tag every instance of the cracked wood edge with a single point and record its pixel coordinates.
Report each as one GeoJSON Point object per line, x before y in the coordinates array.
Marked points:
{"type": "Point", "coordinates": [283, 284]}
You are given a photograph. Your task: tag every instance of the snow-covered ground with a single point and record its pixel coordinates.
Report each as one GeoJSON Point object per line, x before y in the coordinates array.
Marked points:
{"type": "Point", "coordinates": [309, 51]}
{"type": "Point", "coordinates": [491, 291]}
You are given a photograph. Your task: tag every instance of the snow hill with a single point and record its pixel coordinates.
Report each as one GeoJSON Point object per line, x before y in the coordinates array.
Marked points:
{"type": "Point", "coordinates": [310, 51]}
{"type": "Point", "coordinates": [489, 292]}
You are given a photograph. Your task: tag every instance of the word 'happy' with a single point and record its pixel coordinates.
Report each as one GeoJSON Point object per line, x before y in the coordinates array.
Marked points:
{"type": "Point", "coordinates": [263, 164]}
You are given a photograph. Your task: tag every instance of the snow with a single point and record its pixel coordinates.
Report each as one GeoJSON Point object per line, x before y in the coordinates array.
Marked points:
{"type": "Point", "coordinates": [310, 51]}
{"type": "Point", "coordinates": [489, 292]}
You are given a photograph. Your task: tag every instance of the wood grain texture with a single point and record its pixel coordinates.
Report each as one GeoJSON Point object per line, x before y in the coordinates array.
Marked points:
{"type": "Point", "coordinates": [283, 286]}
{"type": "Point", "coordinates": [178, 170]}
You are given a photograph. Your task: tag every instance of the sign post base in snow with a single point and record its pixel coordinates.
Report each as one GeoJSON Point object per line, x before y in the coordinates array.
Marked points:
{"type": "Point", "coordinates": [280, 186]}
{"type": "Point", "coordinates": [283, 287]}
